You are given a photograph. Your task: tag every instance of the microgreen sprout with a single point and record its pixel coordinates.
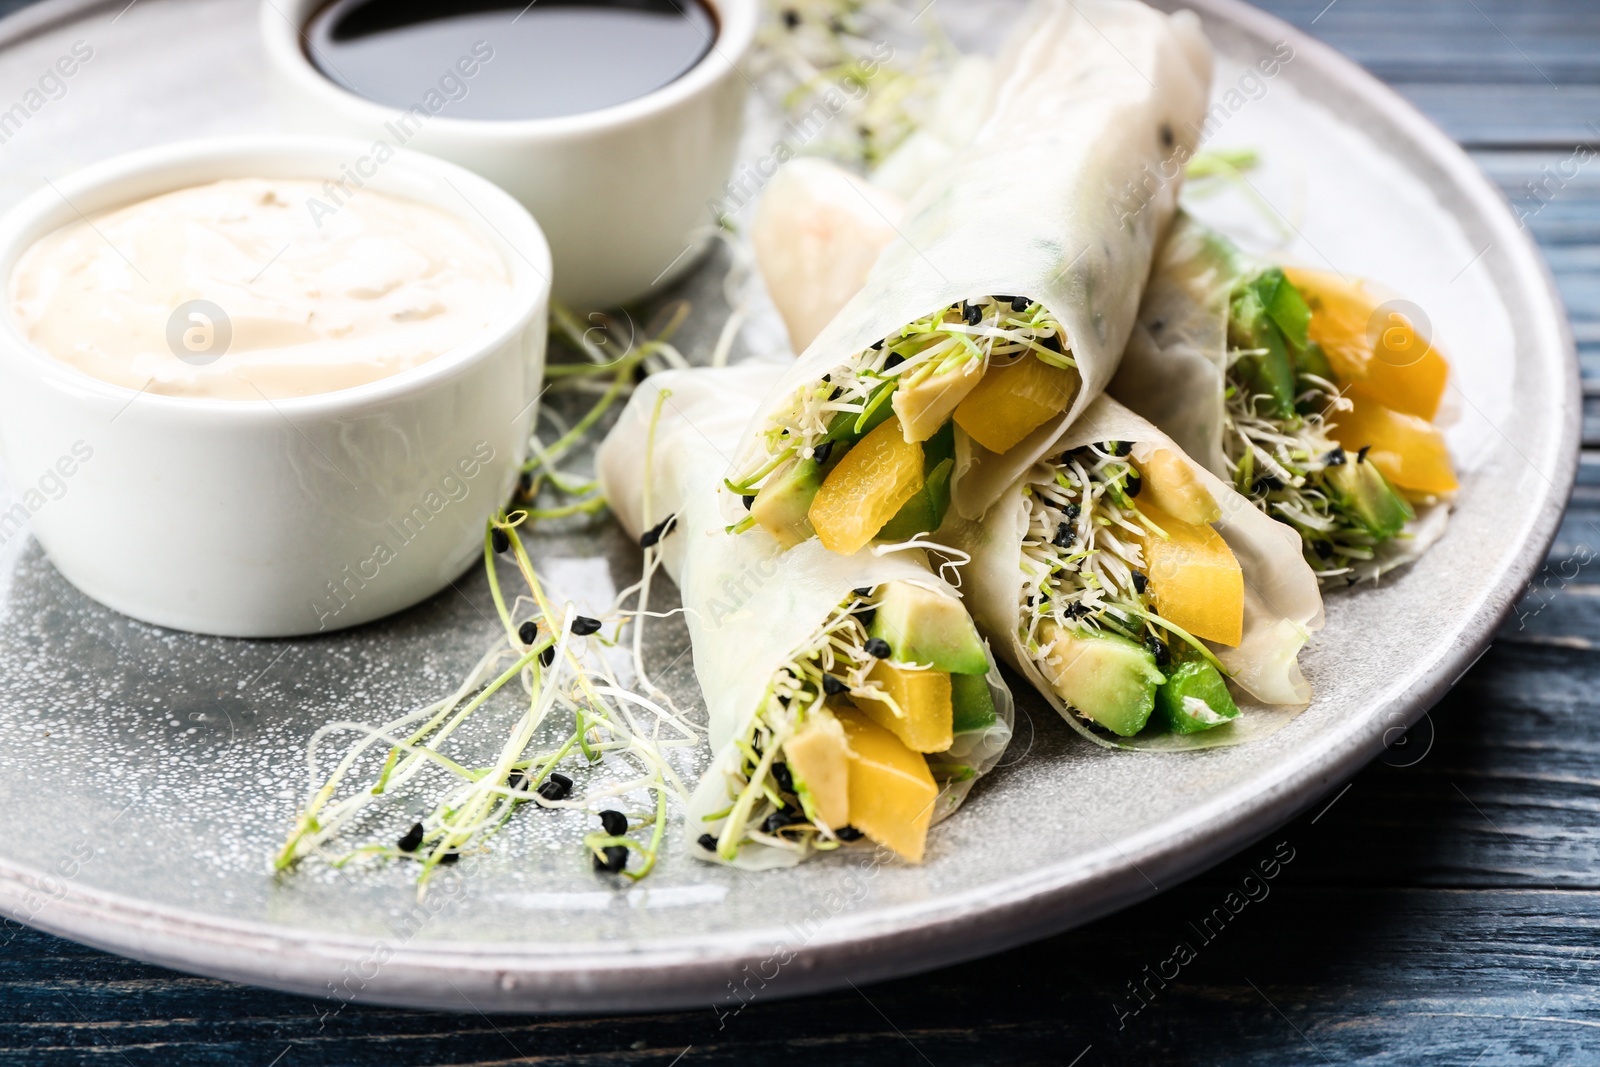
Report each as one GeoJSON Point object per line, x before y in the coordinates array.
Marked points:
{"type": "Point", "coordinates": [765, 806]}
{"type": "Point", "coordinates": [822, 53]}
{"type": "Point", "coordinates": [557, 678]}
{"type": "Point", "coordinates": [1082, 558]}
{"type": "Point", "coordinates": [1282, 466]}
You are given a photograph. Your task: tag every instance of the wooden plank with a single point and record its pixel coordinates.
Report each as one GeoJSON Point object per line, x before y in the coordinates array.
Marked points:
{"type": "Point", "coordinates": [1424, 41]}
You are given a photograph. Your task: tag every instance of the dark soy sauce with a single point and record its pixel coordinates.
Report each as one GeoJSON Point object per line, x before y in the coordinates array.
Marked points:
{"type": "Point", "coordinates": [477, 59]}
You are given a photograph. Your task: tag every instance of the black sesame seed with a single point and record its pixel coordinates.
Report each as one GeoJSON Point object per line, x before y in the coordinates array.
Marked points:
{"type": "Point", "coordinates": [838, 391]}
{"type": "Point", "coordinates": [448, 858]}
{"type": "Point", "coordinates": [1361, 456]}
{"type": "Point", "coordinates": [894, 360]}
{"type": "Point", "coordinates": [866, 615]}
{"type": "Point", "coordinates": [611, 859]}
{"type": "Point", "coordinates": [651, 537]}
{"type": "Point", "coordinates": [877, 346]}
{"type": "Point", "coordinates": [583, 625]}
{"type": "Point", "coordinates": [1075, 610]}
{"type": "Point", "coordinates": [781, 775]}
{"type": "Point", "coordinates": [780, 819]}
{"type": "Point", "coordinates": [614, 822]}
{"type": "Point", "coordinates": [971, 314]}
{"type": "Point", "coordinates": [791, 18]}
{"type": "Point", "coordinates": [1020, 303]}
{"type": "Point", "coordinates": [412, 838]}
{"type": "Point", "coordinates": [1063, 537]}
{"type": "Point", "coordinates": [748, 500]}
{"type": "Point", "coordinates": [556, 787]}
{"type": "Point", "coordinates": [1158, 649]}
{"type": "Point", "coordinates": [1335, 458]}
{"type": "Point", "coordinates": [517, 781]}
{"type": "Point", "coordinates": [707, 842]}
{"type": "Point", "coordinates": [877, 646]}
{"type": "Point", "coordinates": [499, 541]}
{"type": "Point", "coordinates": [528, 633]}
{"type": "Point", "coordinates": [832, 686]}
{"type": "Point", "coordinates": [548, 656]}
{"type": "Point", "coordinates": [1140, 583]}
{"type": "Point", "coordinates": [828, 377]}
{"type": "Point", "coordinates": [848, 833]}
{"type": "Point", "coordinates": [822, 452]}
{"type": "Point", "coordinates": [1073, 511]}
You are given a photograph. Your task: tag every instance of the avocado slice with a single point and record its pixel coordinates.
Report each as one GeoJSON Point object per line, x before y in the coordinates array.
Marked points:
{"type": "Point", "coordinates": [924, 513]}
{"type": "Point", "coordinates": [922, 626]}
{"type": "Point", "coordinates": [819, 765]}
{"type": "Point", "coordinates": [1105, 677]}
{"type": "Point", "coordinates": [1267, 373]}
{"type": "Point", "coordinates": [1194, 698]}
{"type": "Point", "coordinates": [972, 705]}
{"type": "Point", "coordinates": [925, 404]}
{"type": "Point", "coordinates": [1311, 360]}
{"type": "Point", "coordinates": [1284, 306]}
{"type": "Point", "coordinates": [847, 427]}
{"type": "Point", "coordinates": [1362, 491]}
{"type": "Point", "coordinates": [781, 504]}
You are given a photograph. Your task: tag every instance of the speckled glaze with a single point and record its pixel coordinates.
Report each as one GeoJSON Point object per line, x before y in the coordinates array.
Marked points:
{"type": "Point", "coordinates": [159, 770]}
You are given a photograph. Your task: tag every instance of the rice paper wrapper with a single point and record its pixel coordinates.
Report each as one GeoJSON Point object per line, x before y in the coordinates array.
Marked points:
{"type": "Point", "coordinates": [1174, 372]}
{"type": "Point", "coordinates": [1062, 196]}
{"type": "Point", "coordinates": [1282, 604]}
{"type": "Point", "coordinates": [748, 604]}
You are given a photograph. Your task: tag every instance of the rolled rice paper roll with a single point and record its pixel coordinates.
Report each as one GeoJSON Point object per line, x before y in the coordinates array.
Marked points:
{"type": "Point", "coordinates": [1061, 198]}
{"type": "Point", "coordinates": [1282, 605]}
{"type": "Point", "coordinates": [748, 604]}
{"type": "Point", "coordinates": [1174, 372]}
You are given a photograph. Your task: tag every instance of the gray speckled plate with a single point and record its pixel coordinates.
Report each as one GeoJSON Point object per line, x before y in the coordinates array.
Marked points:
{"type": "Point", "coordinates": [149, 775]}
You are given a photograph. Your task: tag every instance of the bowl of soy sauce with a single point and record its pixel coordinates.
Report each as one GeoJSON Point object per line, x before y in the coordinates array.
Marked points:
{"type": "Point", "coordinates": [615, 122]}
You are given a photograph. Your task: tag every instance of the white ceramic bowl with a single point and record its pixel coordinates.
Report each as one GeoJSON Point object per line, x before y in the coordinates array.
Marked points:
{"type": "Point", "coordinates": [622, 192]}
{"type": "Point", "coordinates": [265, 518]}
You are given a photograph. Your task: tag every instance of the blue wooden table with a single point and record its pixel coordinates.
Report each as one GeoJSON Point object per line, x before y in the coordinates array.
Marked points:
{"type": "Point", "coordinates": [1442, 908]}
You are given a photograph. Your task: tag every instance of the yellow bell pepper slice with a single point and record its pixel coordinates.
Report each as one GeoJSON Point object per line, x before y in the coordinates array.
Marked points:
{"type": "Point", "coordinates": [892, 792]}
{"type": "Point", "coordinates": [1173, 487]}
{"type": "Point", "coordinates": [1195, 580]}
{"type": "Point", "coordinates": [1407, 450]}
{"type": "Point", "coordinates": [924, 719]}
{"type": "Point", "coordinates": [866, 489]}
{"type": "Point", "coordinates": [1011, 402]}
{"type": "Point", "coordinates": [1404, 372]}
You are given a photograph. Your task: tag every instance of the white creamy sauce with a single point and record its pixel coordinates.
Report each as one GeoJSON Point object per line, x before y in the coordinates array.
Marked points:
{"type": "Point", "coordinates": [308, 304]}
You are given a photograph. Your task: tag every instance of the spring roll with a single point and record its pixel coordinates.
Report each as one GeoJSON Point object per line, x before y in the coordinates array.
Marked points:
{"type": "Point", "coordinates": [1293, 386]}
{"type": "Point", "coordinates": [847, 696]}
{"type": "Point", "coordinates": [1139, 593]}
{"type": "Point", "coordinates": [999, 313]}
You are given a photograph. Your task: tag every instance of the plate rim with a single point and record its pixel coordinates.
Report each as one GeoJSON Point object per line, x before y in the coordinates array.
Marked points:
{"type": "Point", "coordinates": [900, 939]}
